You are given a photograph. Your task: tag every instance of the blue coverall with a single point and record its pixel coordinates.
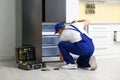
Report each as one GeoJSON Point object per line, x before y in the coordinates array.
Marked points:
{"type": "Point", "coordinates": [83, 48]}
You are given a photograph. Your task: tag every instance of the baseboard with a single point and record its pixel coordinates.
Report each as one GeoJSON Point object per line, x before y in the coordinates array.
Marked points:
{"type": "Point", "coordinates": [11, 57]}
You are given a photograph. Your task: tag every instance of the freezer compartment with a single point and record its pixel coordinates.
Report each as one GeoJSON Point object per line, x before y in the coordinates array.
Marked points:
{"type": "Point", "coordinates": [50, 40]}
{"type": "Point", "coordinates": [50, 51]}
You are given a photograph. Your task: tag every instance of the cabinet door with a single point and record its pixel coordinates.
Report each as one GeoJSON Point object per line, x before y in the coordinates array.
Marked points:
{"type": "Point", "coordinates": [102, 37]}
{"type": "Point", "coordinates": [31, 25]}
{"type": "Point", "coordinates": [101, 27]}
{"type": "Point", "coordinates": [102, 40]}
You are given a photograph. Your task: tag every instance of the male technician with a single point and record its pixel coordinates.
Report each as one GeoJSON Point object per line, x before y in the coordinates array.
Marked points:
{"type": "Point", "coordinates": [74, 39]}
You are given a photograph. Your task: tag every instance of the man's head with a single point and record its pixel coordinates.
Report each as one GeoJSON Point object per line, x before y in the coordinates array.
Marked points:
{"type": "Point", "coordinates": [59, 27]}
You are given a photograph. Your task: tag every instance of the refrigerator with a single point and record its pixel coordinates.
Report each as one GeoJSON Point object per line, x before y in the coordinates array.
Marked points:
{"type": "Point", "coordinates": [38, 20]}
{"type": "Point", "coordinates": [37, 32]}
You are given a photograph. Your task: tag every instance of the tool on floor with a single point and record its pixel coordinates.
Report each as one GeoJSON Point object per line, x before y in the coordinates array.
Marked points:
{"type": "Point", "coordinates": [45, 69]}
{"type": "Point", "coordinates": [56, 68]}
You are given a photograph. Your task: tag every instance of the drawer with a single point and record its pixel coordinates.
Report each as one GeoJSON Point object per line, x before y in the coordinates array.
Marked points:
{"type": "Point", "coordinates": [102, 44]}
{"type": "Point", "coordinates": [101, 51]}
{"type": "Point", "coordinates": [50, 51]}
{"type": "Point", "coordinates": [50, 40]}
{"type": "Point", "coordinates": [115, 48]}
{"type": "Point", "coordinates": [102, 36]}
{"type": "Point", "coordinates": [101, 28]}
{"type": "Point", "coordinates": [116, 28]}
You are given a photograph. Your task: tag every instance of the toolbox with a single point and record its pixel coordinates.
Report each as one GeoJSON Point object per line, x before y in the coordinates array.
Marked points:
{"type": "Point", "coordinates": [26, 58]}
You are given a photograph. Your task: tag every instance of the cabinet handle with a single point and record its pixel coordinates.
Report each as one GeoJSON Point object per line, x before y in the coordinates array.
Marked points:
{"type": "Point", "coordinates": [100, 36]}
{"type": "Point", "coordinates": [100, 48]}
{"type": "Point", "coordinates": [114, 37]}
{"type": "Point", "coordinates": [49, 47]}
{"type": "Point", "coordinates": [99, 28]}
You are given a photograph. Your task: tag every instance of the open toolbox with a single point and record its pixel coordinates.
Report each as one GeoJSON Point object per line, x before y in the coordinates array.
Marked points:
{"type": "Point", "coordinates": [26, 58]}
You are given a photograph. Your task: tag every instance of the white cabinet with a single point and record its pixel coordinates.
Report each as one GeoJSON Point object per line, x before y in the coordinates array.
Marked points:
{"type": "Point", "coordinates": [103, 38]}
{"type": "Point", "coordinates": [72, 10]}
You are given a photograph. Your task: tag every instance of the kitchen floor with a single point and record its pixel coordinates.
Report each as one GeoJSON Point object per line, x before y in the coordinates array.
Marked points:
{"type": "Point", "coordinates": [108, 69]}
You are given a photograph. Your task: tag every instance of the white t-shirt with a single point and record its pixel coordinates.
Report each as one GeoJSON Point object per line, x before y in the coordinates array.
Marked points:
{"type": "Point", "coordinates": [72, 35]}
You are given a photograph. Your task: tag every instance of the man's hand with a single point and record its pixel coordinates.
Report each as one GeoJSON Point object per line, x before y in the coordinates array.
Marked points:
{"type": "Point", "coordinates": [61, 57]}
{"type": "Point", "coordinates": [78, 21]}
{"type": "Point", "coordinates": [86, 22]}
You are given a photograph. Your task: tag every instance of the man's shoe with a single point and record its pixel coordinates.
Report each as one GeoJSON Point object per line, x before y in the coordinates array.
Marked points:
{"type": "Point", "coordinates": [69, 66]}
{"type": "Point", "coordinates": [92, 62]}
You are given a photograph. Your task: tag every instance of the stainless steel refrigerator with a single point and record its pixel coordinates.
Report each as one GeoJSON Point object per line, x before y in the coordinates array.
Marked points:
{"type": "Point", "coordinates": [38, 16]}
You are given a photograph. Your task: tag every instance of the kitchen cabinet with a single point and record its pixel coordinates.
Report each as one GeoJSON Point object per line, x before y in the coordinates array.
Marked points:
{"type": "Point", "coordinates": [103, 37]}
{"type": "Point", "coordinates": [60, 10]}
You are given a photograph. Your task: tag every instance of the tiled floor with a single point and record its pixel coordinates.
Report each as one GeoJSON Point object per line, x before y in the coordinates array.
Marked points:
{"type": "Point", "coordinates": [108, 69]}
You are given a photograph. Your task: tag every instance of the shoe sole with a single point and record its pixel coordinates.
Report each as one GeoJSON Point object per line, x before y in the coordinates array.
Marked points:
{"type": "Point", "coordinates": [69, 68]}
{"type": "Point", "coordinates": [93, 64]}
